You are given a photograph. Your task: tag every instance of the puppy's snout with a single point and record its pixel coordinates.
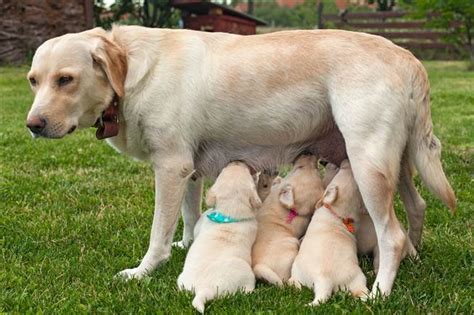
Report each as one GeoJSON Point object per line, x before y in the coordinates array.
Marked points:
{"type": "Point", "coordinates": [36, 124]}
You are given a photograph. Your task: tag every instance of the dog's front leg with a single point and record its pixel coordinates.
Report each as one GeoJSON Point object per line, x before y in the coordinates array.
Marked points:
{"type": "Point", "coordinates": [171, 176]}
{"type": "Point", "coordinates": [191, 211]}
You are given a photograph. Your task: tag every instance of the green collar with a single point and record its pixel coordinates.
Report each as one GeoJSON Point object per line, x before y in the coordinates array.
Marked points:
{"type": "Point", "coordinates": [219, 217]}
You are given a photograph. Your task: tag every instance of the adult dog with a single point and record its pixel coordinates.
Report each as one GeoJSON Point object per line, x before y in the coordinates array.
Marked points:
{"type": "Point", "coordinates": [192, 101]}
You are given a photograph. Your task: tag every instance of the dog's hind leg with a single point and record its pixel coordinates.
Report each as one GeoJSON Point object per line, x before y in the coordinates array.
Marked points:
{"type": "Point", "coordinates": [172, 173]}
{"type": "Point", "coordinates": [377, 186]}
{"type": "Point", "coordinates": [322, 291]}
{"type": "Point", "coordinates": [266, 273]}
{"type": "Point", "coordinates": [202, 296]}
{"type": "Point", "coordinates": [414, 204]}
{"type": "Point", "coordinates": [375, 143]}
{"type": "Point", "coordinates": [191, 211]}
{"type": "Point", "coordinates": [358, 286]}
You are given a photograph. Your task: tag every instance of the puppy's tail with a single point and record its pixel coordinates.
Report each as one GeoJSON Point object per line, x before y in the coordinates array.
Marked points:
{"type": "Point", "coordinates": [202, 296]}
{"type": "Point", "coordinates": [265, 273]}
{"type": "Point", "coordinates": [424, 148]}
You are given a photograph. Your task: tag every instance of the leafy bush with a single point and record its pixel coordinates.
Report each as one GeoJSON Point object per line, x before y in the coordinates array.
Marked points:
{"type": "Point", "coordinates": [445, 14]}
{"type": "Point", "coordinates": [151, 13]}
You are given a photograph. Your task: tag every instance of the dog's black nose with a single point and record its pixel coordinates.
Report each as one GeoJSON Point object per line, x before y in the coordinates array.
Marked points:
{"type": "Point", "coordinates": [36, 124]}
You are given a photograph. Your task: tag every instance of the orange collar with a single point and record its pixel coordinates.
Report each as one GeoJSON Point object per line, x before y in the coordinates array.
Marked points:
{"type": "Point", "coordinates": [348, 222]}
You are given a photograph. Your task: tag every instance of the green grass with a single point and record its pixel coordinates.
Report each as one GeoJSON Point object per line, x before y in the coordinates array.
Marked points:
{"type": "Point", "coordinates": [74, 212]}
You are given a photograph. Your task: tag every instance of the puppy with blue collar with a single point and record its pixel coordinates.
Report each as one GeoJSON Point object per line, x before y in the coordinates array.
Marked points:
{"type": "Point", "coordinates": [219, 260]}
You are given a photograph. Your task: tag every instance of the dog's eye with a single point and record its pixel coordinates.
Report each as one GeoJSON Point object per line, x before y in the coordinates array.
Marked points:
{"type": "Point", "coordinates": [64, 80]}
{"type": "Point", "coordinates": [32, 81]}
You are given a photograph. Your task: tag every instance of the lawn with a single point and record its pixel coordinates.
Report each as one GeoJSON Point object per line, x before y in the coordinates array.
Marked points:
{"type": "Point", "coordinates": [74, 213]}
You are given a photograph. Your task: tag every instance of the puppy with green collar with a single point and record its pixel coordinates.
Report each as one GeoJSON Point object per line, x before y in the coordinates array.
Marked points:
{"type": "Point", "coordinates": [219, 260]}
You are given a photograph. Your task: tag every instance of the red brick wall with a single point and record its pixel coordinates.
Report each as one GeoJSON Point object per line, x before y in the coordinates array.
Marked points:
{"type": "Point", "coordinates": [25, 24]}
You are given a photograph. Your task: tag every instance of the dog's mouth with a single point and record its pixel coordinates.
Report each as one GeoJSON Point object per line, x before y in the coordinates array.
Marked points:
{"type": "Point", "coordinates": [71, 130]}
{"type": "Point", "coordinates": [51, 135]}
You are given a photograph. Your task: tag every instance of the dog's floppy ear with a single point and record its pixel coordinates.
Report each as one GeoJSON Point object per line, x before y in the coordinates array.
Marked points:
{"type": "Point", "coordinates": [255, 200]}
{"type": "Point", "coordinates": [330, 195]}
{"type": "Point", "coordinates": [210, 198]}
{"type": "Point", "coordinates": [277, 181]}
{"type": "Point", "coordinates": [113, 61]}
{"type": "Point", "coordinates": [286, 196]}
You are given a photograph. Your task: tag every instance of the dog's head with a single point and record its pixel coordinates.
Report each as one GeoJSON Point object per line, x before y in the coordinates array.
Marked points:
{"type": "Point", "coordinates": [265, 182]}
{"type": "Point", "coordinates": [343, 193]}
{"type": "Point", "coordinates": [302, 187]}
{"type": "Point", "coordinates": [74, 78]}
{"type": "Point", "coordinates": [330, 170]}
{"type": "Point", "coordinates": [234, 186]}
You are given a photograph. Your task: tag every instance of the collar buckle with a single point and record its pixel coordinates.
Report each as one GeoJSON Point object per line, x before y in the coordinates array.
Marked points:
{"type": "Point", "coordinates": [108, 123]}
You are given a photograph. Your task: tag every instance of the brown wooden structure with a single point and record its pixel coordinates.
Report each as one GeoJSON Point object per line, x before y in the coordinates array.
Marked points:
{"type": "Point", "coordinates": [26, 24]}
{"type": "Point", "coordinates": [213, 17]}
{"type": "Point", "coordinates": [408, 33]}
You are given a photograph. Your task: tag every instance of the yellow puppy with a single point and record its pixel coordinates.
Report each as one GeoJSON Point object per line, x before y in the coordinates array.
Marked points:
{"type": "Point", "coordinates": [283, 219]}
{"type": "Point", "coordinates": [327, 260]}
{"type": "Point", "coordinates": [365, 234]}
{"type": "Point", "coordinates": [218, 261]}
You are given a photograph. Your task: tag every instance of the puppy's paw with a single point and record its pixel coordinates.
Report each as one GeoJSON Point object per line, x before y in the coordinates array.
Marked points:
{"type": "Point", "coordinates": [362, 295]}
{"type": "Point", "coordinates": [315, 303]}
{"type": "Point", "coordinates": [133, 273]}
{"type": "Point", "coordinates": [376, 294]}
{"type": "Point", "coordinates": [294, 283]}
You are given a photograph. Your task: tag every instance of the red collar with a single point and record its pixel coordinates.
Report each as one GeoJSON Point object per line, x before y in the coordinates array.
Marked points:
{"type": "Point", "coordinates": [108, 123]}
{"type": "Point", "coordinates": [348, 222]}
{"type": "Point", "coordinates": [291, 215]}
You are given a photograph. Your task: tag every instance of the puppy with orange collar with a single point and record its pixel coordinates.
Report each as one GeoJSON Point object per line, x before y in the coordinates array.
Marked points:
{"type": "Point", "coordinates": [327, 260]}
{"type": "Point", "coordinates": [283, 219]}
{"type": "Point", "coordinates": [365, 234]}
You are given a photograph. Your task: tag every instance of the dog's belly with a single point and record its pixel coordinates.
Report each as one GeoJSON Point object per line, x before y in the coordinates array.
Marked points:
{"type": "Point", "coordinates": [213, 156]}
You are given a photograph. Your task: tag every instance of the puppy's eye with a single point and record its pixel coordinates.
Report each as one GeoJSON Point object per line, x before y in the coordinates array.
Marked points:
{"type": "Point", "coordinates": [64, 80]}
{"type": "Point", "coordinates": [32, 81]}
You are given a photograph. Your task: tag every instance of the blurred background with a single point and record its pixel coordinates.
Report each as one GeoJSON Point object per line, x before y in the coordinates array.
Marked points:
{"type": "Point", "coordinates": [431, 29]}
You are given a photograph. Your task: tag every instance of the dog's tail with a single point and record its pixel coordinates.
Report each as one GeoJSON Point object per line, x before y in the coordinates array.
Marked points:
{"type": "Point", "coordinates": [202, 296]}
{"type": "Point", "coordinates": [266, 273]}
{"type": "Point", "coordinates": [424, 148]}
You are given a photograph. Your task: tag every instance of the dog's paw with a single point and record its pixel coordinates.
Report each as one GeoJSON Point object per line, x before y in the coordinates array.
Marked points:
{"type": "Point", "coordinates": [294, 283]}
{"type": "Point", "coordinates": [133, 273]}
{"type": "Point", "coordinates": [182, 244]}
{"type": "Point", "coordinates": [314, 303]}
{"type": "Point", "coordinates": [376, 294]}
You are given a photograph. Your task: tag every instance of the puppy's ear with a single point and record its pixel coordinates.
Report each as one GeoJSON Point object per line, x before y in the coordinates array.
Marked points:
{"type": "Point", "coordinates": [345, 164]}
{"type": "Point", "coordinates": [113, 61]}
{"type": "Point", "coordinates": [256, 177]}
{"type": "Point", "coordinates": [210, 198]}
{"type": "Point", "coordinates": [286, 196]}
{"type": "Point", "coordinates": [277, 181]}
{"type": "Point", "coordinates": [330, 195]}
{"type": "Point", "coordinates": [255, 201]}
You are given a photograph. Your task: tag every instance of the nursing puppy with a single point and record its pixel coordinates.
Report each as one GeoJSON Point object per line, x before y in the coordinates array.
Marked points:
{"type": "Point", "coordinates": [265, 181]}
{"type": "Point", "coordinates": [219, 260]}
{"type": "Point", "coordinates": [327, 260]}
{"type": "Point", "coordinates": [366, 236]}
{"type": "Point", "coordinates": [283, 219]}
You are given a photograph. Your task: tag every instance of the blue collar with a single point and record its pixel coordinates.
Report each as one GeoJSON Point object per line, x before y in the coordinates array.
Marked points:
{"type": "Point", "coordinates": [218, 217]}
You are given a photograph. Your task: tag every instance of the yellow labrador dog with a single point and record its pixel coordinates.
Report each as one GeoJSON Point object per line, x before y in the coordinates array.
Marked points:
{"type": "Point", "coordinates": [193, 101]}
